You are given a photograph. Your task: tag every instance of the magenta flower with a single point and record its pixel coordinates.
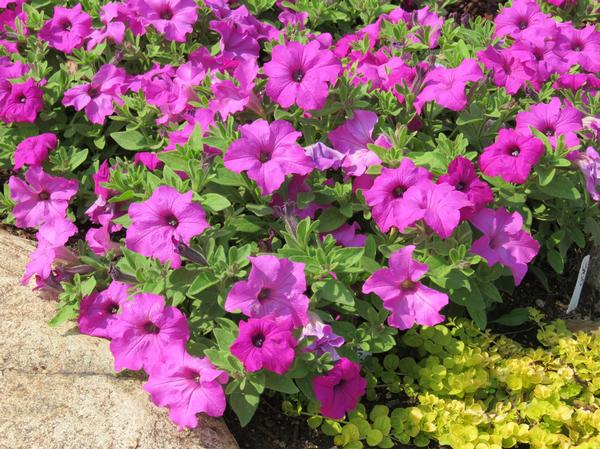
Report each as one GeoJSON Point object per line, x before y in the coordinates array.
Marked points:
{"type": "Point", "coordinates": [589, 164]}
{"type": "Point", "coordinates": [462, 175]}
{"type": "Point", "coordinates": [537, 47]}
{"type": "Point", "coordinates": [552, 120]}
{"type": "Point", "coordinates": [187, 385]}
{"type": "Point", "coordinates": [22, 103]}
{"type": "Point", "coordinates": [521, 15]}
{"type": "Point", "coordinates": [41, 199]}
{"type": "Point", "coordinates": [166, 217]}
{"type": "Point", "coordinates": [299, 74]}
{"type": "Point", "coordinates": [504, 241]}
{"type": "Point", "coordinates": [98, 239]}
{"type": "Point", "coordinates": [340, 389]}
{"type": "Point", "coordinates": [98, 311]}
{"type": "Point", "coordinates": [265, 343]}
{"type": "Point", "coordinates": [268, 152]}
{"type": "Point", "coordinates": [146, 331]}
{"type": "Point", "coordinates": [114, 27]}
{"type": "Point", "coordinates": [447, 86]}
{"type": "Point", "coordinates": [275, 287]}
{"type": "Point", "coordinates": [34, 150]}
{"type": "Point", "coordinates": [582, 46]}
{"type": "Point", "coordinates": [52, 237]}
{"type": "Point", "coordinates": [439, 205]}
{"type": "Point", "coordinates": [408, 300]}
{"type": "Point", "coordinates": [67, 29]}
{"type": "Point", "coordinates": [322, 338]}
{"type": "Point", "coordinates": [346, 235]}
{"type": "Point", "coordinates": [512, 156]}
{"type": "Point", "coordinates": [97, 97]}
{"type": "Point", "coordinates": [324, 157]}
{"type": "Point", "coordinates": [173, 18]}
{"type": "Point", "coordinates": [385, 195]}
{"type": "Point", "coordinates": [352, 139]}
{"type": "Point", "coordinates": [509, 71]}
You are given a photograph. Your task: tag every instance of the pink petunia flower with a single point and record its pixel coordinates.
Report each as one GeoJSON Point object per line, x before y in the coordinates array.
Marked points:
{"type": "Point", "coordinates": [52, 237]}
{"type": "Point", "coordinates": [521, 15]}
{"type": "Point", "coordinates": [166, 217]}
{"type": "Point", "coordinates": [346, 235]}
{"type": "Point", "coordinates": [322, 338]}
{"type": "Point", "coordinates": [98, 311]}
{"type": "Point", "coordinates": [582, 46]}
{"type": "Point", "coordinates": [173, 18]}
{"type": "Point", "coordinates": [447, 86]}
{"type": "Point", "coordinates": [146, 331]}
{"type": "Point", "coordinates": [67, 29]}
{"type": "Point", "coordinates": [340, 389]}
{"type": "Point", "coordinates": [352, 139]}
{"type": "Point", "coordinates": [187, 385]}
{"type": "Point", "coordinates": [42, 198]}
{"type": "Point", "coordinates": [34, 150]}
{"type": "Point", "coordinates": [512, 156]}
{"type": "Point", "coordinates": [274, 287]}
{"type": "Point", "coordinates": [552, 120]}
{"type": "Point", "coordinates": [385, 195]}
{"type": "Point", "coordinates": [462, 175]}
{"type": "Point", "coordinates": [299, 74]}
{"type": "Point", "coordinates": [98, 239]}
{"type": "Point", "coordinates": [504, 241]}
{"type": "Point", "coordinates": [439, 205]}
{"type": "Point", "coordinates": [97, 97]}
{"type": "Point", "coordinates": [408, 300]}
{"type": "Point", "coordinates": [22, 102]}
{"type": "Point", "coordinates": [114, 29]}
{"type": "Point", "coordinates": [324, 157]}
{"type": "Point", "coordinates": [509, 71]}
{"type": "Point", "coordinates": [265, 343]}
{"type": "Point", "coordinates": [589, 164]}
{"type": "Point", "coordinates": [268, 152]}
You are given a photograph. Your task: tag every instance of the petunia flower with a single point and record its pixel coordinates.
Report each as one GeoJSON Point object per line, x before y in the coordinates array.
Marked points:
{"type": "Point", "coordinates": [98, 239]}
{"type": "Point", "coordinates": [167, 216]}
{"type": "Point", "coordinates": [34, 150]}
{"type": "Point", "coordinates": [322, 338]}
{"type": "Point", "coordinates": [589, 164]}
{"type": "Point", "coordinates": [67, 29]}
{"type": "Point", "coordinates": [22, 103]}
{"type": "Point", "coordinates": [581, 46]}
{"type": "Point", "coordinates": [42, 198]}
{"type": "Point", "coordinates": [187, 385]}
{"type": "Point", "coordinates": [274, 287]}
{"type": "Point", "coordinates": [385, 195]}
{"type": "Point", "coordinates": [352, 139]}
{"type": "Point", "coordinates": [504, 241]}
{"type": "Point", "coordinates": [552, 120]}
{"type": "Point", "coordinates": [521, 15]}
{"type": "Point", "coordinates": [462, 175]}
{"type": "Point", "coordinates": [146, 330]}
{"type": "Point", "coordinates": [508, 71]}
{"type": "Point", "coordinates": [409, 301]}
{"type": "Point", "coordinates": [346, 235]}
{"type": "Point", "coordinates": [97, 97]}
{"type": "Point", "coordinates": [512, 156]}
{"type": "Point", "coordinates": [114, 29]}
{"type": "Point", "coordinates": [447, 86]}
{"type": "Point", "coordinates": [98, 311]}
{"type": "Point", "coordinates": [300, 74]}
{"type": "Point", "coordinates": [340, 389]}
{"type": "Point", "coordinates": [265, 343]}
{"type": "Point", "coordinates": [268, 152]}
{"type": "Point", "coordinates": [324, 157]}
{"type": "Point", "coordinates": [173, 18]}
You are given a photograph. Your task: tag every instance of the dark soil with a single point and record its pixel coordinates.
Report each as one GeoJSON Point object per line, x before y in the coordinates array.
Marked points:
{"type": "Point", "coordinates": [474, 8]}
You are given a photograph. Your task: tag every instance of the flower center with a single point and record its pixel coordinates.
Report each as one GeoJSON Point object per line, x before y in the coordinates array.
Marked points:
{"type": "Point", "coordinates": [577, 46]}
{"type": "Point", "coordinates": [113, 308]}
{"type": "Point", "coordinates": [264, 156]}
{"type": "Point", "coordinates": [264, 294]}
{"type": "Point", "coordinates": [549, 131]}
{"type": "Point", "coordinates": [398, 192]}
{"type": "Point", "coordinates": [258, 340]}
{"type": "Point", "coordinates": [340, 385]}
{"type": "Point", "coordinates": [196, 378]}
{"type": "Point", "coordinates": [93, 92]}
{"type": "Point", "coordinates": [43, 196]}
{"type": "Point", "coordinates": [523, 23]}
{"type": "Point", "coordinates": [22, 99]}
{"type": "Point", "coordinates": [166, 14]}
{"type": "Point", "coordinates": [172, 221]}
{"type": "Point", "coordinates": [66, 25]}
{"type": "Point", "coordinates": [407, 284]}
{"type": "Point", "coordinates": [297, 75]}
{"type": "Point", "coordinates": [514, 151]}
{"type": "Point", "coordinates": [151, 328]}
{"type": "Point", "coordinates": [460, 186]}
{"type": "Point", "coordinates": [538, 53]}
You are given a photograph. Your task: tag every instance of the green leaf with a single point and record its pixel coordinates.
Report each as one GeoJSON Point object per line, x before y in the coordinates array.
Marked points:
{"type": "Point", "coordinates": [244, 405]}
{"type": "Point", "coordinates": [562, 187]}
{"type": "Point", "coordinates": [204, 280]}
{"type": "Point", "coordinates": [336, 292]}
{"type": "Point", "coordinates": [331, 219]}
{"type": "Point", "coordinates": [515, 317]}
{"type": "Point", "coordinates": [545, 174]}
{"type": "Point", "coordinates": [130, 140]}
{"type": "Point", "coordinates": [280, 383]}
{"type": "Point", "coordinates": [214, 202]}
{"type": "Point", "coordinates": [555, 260]}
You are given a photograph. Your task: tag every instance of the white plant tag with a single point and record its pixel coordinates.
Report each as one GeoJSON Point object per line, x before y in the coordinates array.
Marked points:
{"type": "Point", "coordinates": [579, 285]}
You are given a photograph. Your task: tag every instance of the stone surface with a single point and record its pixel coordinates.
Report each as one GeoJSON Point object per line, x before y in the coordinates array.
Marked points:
{"type": "Point", "coordinates": [58, 389]}
{"type": "Point", "coordinates": [583, 325]}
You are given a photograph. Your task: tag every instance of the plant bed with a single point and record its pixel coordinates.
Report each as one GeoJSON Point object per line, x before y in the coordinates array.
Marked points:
{"type": "Point", "coordinates": [311, 216]}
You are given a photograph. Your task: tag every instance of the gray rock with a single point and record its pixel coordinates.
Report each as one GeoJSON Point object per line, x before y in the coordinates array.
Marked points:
{"type": "Point", "coordinates": [58, 389]}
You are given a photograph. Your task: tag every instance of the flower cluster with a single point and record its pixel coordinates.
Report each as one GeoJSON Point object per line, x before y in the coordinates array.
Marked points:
{"type": "Point", "coordinates": [239, 202]}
